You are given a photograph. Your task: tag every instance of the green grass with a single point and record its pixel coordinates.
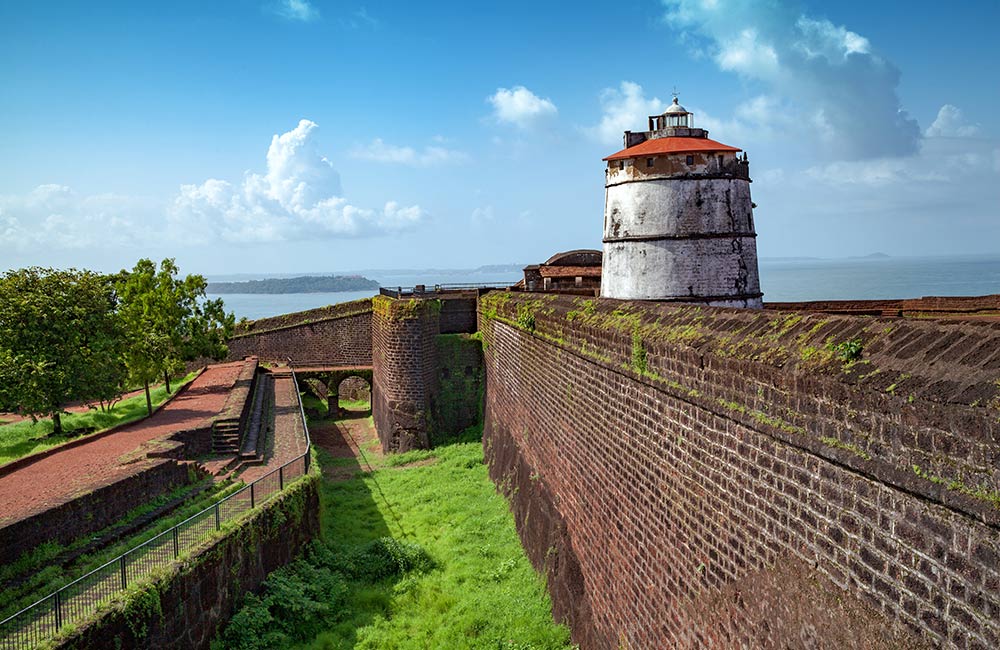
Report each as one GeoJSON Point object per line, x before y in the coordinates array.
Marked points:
{"type": "Point", "coordinates": [46, 576]}
{"type": "Point", "coordinates": [355, 404]}
{"type": "Point", "coordinates": [22, 438]}
{"type": "Point", "coordinates": [413, 556]}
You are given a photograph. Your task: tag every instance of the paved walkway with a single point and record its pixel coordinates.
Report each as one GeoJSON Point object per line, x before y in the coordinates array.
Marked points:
{"type": "Point", "coordinates": [69, 473]}
{"type": "Point", "coordinates": [289, 435]}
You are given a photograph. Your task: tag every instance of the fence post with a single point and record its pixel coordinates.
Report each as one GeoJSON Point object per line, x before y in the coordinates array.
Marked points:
{"type": "Point", "coordinates": [281, 477]}
{"type": "Point", "coordinates": [121, 563]}
{"type": "Point", "coordinates": [177, 546]}
{"type": "Point", "coordinates": [253, 503]}
{"type": "Point", "coordinates": [218, 519]}
{"type": "Point", "coordinates": [59, 620]}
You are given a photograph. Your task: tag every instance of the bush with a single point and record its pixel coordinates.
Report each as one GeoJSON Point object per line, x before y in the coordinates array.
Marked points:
{"type": "Point", "coordinates": [300, 600]}
{"type": "Point", "coordinates": [387, 557]}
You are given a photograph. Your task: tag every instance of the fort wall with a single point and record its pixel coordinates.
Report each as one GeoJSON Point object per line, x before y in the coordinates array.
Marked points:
{"type": "Point", "coordinates": [404, 370]}
{"type": "Point", "coordinates": [185, 606]}
{"type": "Point", "coordinates": [335, 335]}
{"type": "Point", "coordinates": [691, 477]}
{"type": "Point", "coordinates": [94, 510]}
{"type": "Point", "coordinates": [427, 374]}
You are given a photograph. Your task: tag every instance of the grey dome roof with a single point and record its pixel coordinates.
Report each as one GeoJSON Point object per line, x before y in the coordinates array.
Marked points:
{"type": "Point", "coordinates": [675, 108]}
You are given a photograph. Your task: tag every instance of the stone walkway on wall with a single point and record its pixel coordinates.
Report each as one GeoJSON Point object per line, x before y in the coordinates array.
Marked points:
{"type": "Point", "coordinates": [72, 472]}
{"type": "Point", "coordinates": [289, 435]}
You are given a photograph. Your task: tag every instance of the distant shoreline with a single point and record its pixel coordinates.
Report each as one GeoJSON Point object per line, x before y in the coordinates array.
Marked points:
{"type": "Point", "coordinates": [303, 284]}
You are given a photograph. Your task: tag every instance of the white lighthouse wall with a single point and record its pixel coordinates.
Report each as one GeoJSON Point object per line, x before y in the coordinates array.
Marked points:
{"type": "Point", "coordinates": [675, 269]}
{"type": "Point", "coordinates": [677, 207]}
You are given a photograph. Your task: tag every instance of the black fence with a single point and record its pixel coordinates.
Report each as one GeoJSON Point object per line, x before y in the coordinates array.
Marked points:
{"type": "Point", "coordinates": [435, 289]}
{"type": "Point", "coordinates": [34, 625]}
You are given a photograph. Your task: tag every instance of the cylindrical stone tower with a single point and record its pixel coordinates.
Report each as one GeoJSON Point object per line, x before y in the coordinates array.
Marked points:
{"type": "Point", "coordinates": [678, 220]}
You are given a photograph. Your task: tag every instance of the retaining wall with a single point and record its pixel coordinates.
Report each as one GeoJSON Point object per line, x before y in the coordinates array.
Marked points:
{"type": "Point", "coordinates": [338, 335]}
{"type": "Point", "coordinates": [691, 477]}
{"type": "Point", "coordinates": [185, 607]}
{"type": "Point", "coordinates": [95, 510]}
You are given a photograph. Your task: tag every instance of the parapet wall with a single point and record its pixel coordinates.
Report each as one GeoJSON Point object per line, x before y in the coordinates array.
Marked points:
{"type": "Point", "coordinates": [693, 477]}
{"type": "Point", "coordinates": [338, 335]}
{"type": "Point", "coordinates": [185, 606]}
{"type": "Point", "coordinates": [95, 510]}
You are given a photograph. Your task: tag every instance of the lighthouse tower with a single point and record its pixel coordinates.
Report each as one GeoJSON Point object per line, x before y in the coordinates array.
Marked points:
{"type": "Point", "coordinates": [678, 220]}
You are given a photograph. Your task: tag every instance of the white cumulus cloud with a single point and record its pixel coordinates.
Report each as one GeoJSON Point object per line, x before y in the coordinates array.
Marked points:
{"type": "Point", "coordinates": [381, 151]}
{"type": "Point", "coordinates": [841, 92]}
{"type": "Point", "coordinates": [297, 198]}
{"type": "Point", "coordinates": [951, 122]}
{"type": "Point", "coordinates": [520, 106]}
{"type": "Point", "coordinates": [623, 109]}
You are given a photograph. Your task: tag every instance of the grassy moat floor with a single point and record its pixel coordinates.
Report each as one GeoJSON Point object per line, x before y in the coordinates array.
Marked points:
{"type": "Point", "coordinates": [418, 551]}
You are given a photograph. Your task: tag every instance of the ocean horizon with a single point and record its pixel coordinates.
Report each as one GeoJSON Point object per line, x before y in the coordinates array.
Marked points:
{"type": "Point", "coordinates": [781, 279]}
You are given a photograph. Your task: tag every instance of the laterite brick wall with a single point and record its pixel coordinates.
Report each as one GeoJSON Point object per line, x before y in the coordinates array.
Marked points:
{"type": "Point", "coordinates": [404, 370]}
{"type": "Point", "coordinates": [711, 478]}
{"type": "Point", "coordinates": [426, 369]}
{"type": "Point", "coordinates": [336, 335]}
{"type": "Point", "coordinates": [95, 510]}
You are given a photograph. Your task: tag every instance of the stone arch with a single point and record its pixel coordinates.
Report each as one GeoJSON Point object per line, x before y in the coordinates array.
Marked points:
{"type": "Point", "coordinates": [336, 380]}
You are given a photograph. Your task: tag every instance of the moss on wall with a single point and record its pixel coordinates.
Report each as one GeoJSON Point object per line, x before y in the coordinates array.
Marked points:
{"type": "Point", "coordinates": [458, 403]}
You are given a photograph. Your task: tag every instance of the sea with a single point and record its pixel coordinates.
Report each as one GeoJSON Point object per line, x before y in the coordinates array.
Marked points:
{"type": "Point", "coordinates": [781, 279]}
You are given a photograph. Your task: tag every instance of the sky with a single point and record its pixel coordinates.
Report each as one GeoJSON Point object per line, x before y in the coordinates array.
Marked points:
{"type": "Point", "coordinates": [285, 136]}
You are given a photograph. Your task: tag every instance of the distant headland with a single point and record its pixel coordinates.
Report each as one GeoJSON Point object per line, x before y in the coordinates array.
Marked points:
{"type": "Point", "coordinates": [303, 284]}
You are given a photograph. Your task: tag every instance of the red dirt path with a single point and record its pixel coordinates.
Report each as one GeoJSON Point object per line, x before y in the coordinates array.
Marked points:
{"type": "Point", "coordinates": [64, 475]}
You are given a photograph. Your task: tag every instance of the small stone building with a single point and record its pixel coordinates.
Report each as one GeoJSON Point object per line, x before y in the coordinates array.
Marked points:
{"type": "Point", "coordinates": [577, 271]}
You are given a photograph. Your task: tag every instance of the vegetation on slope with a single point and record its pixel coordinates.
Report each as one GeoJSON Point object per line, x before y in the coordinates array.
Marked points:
{"type": "Point", "coordinates": [419, 552]}
{"type": "Point", "coordinates": [43, 570]}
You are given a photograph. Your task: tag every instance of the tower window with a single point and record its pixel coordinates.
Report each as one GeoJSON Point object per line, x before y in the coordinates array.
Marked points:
{"type": "Point", "coordinates": [649, 162]}
{"type": "Point", "coordinates": [621, 164]}
{"type": "Point", "coordinates": [690, 160]}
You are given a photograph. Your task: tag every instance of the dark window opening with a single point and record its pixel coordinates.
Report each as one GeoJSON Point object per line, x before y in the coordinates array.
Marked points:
{"type": "Point", "coordinates": [621, 164]}
{"type": "Point", "coordinates": [690, 160]}
{"type": "Point", "coordinates": [649, 162]}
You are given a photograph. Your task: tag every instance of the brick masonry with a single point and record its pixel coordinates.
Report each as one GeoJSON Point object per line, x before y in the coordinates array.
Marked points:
{"type": "Point", "coordinates": [204, 591]}
{"type": "Point", "coordinates": [404, 370]}
{"type": "Point", "coordinates": [426, 370]}
{"type": "Point", "coordinates": [94, 510]}
{"type": "Point", "coordinates": [338, 335]}
{"type": "Point", "coordinates": [692, 477]}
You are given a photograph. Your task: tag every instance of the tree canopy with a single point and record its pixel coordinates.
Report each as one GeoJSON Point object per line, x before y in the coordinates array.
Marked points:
{"type": "Point", "coordinates": [79, 336]}
{"type": "Point", "coordinates": [168, 320]}
{"type": "Point", "coordinates": [60, 341]}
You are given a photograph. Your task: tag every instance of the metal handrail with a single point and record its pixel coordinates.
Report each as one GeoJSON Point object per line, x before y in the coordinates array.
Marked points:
{"type": "Point", "coordinates": [421, 289]}
{"type": "Point", "coordinates": [58, 605]}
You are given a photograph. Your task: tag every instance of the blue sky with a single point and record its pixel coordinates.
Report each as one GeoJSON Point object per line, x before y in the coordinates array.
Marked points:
{"type": "Point", "coordinates": [295, 136]}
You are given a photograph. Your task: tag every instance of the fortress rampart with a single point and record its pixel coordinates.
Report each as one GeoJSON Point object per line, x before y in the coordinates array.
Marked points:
{"type": "Point", "coordinates": [338, 335]}
{"type": "Point", "coordinates": [427, 378]}
{"type": "Point", "coordinates": [693, 477]}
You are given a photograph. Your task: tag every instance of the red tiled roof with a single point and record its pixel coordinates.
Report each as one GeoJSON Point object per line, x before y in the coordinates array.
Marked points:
{"type": "Point", "coordinates": [671, 145]}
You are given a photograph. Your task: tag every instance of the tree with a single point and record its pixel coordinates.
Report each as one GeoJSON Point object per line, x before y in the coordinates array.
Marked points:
{"type": "Point", "coordinates": [168, 321]}
{"type": "Point", "coordinates": [60, 341]}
